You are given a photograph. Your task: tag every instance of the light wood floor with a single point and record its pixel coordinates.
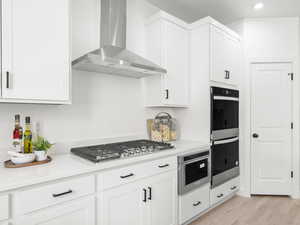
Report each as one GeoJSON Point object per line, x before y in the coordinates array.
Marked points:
{"type": "Point", "coordinates": [254, 211]}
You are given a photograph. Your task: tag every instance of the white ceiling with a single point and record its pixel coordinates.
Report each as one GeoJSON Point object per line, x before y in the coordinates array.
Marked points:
{"type": "Point", "coordinates": [227, 11]}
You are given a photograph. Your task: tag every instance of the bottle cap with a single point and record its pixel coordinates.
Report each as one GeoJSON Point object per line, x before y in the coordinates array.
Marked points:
{"type": "Point", "coordinates": [17, 117]}
{"type": "Point", "coordinates": [27, 119]}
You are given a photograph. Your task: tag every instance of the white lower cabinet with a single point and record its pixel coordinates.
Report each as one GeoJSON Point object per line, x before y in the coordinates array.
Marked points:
{"type": "Point", "coordinates": [123, 205]}
{"type": "Point", "coordinates": [193, 203]}
{"type": "Point", "coordinates": [151, 201]}
{"type": "Point", "coordinates": [79, 212]}
{"type": "Point", "coordinates": [163, 199]}
{"type": "Point", "coordinates": [220, 193]}
{"type": "Point", "coordinates": [4, 207]}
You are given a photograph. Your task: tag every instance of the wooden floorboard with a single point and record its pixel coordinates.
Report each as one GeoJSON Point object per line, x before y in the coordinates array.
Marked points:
{"type": "Point", "coordinates": [258, 210]}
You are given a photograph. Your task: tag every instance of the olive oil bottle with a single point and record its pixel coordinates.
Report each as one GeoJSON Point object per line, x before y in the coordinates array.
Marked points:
{"type": "Point", "coordinates": [27, 136]}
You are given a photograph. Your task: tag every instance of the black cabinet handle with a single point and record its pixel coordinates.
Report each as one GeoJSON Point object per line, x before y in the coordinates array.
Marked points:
{"type": "Point", "coordinates": [255, 135]}
{"type": "Point", "coordinates": [220, 196]}
{"type": "Point", "coordinates": [167, 93]}
{"type": "Point", "coordinates": [129, 175]}
{"type": "Point", "coordinates": [227, 74]}
{"type": "Point", "coordinates": [150, 193]}
{"type": "Point", "coordinates": [61, 194]}
{"type": "Point", "coordinates": [233, 188]}
{"type": "Point", "coordinates": [196, 204]}
{"type": "Point", "coordinates": [7, 80]}
{"type": "Point", "coordinates": [163, 166]}
{"type": "Point", "coordinates": [145, 195]}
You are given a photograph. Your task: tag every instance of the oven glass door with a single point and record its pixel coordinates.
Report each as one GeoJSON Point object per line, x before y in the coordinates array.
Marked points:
{"type": "Point", "coordinates": [225, 114]}
{"type": "Point", "coordinates": [195, 171]}
{"type": "Point", "coordinates": [225, 155]}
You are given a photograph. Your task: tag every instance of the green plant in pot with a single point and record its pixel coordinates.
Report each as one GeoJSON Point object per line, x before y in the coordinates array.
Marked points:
{"type": "Point", "coordinates": [41, 147]}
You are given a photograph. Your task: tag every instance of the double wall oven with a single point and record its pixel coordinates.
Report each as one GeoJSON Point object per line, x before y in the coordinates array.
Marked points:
{"type": "Point", "coordinates": [224, 135]}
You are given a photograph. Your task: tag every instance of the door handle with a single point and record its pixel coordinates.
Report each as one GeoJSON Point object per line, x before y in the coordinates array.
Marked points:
{"type": "Point", "coordinates": [255, 135]}
{"type": "Point", "coordinates": [145, 195]}
{"type": "Point", "coordinates": [127, 176]}
{"type": "Point", "coordinates": [150, 193]}
{"type": "Point", "coordinates": [8, 86]}
{"type": "Point", "coordinates": [227, 74]}
{"type": "Point", "coordinates": [167, 93]}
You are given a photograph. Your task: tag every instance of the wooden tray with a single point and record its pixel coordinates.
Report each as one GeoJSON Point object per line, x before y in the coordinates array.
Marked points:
{"type": "Point", "coordinates": [10, 164]}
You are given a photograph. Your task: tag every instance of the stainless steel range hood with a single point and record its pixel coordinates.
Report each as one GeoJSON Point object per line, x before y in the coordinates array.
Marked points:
{"type": "Point", "coordinates": [113, 57]}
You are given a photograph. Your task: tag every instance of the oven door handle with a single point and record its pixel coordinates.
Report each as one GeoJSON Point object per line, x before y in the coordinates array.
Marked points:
{"type": "Point", "coordinates": [195, 160]}
{"type": "Point", "coordinates": [225, 141]}
{"type": "Point", "coordinates": [226, 98]}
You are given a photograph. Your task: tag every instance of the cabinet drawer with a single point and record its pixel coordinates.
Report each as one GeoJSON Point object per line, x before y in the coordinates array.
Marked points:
{"type": "Point", "coordinates": [233, 185]}
{"type": "Point", "coordinates": [40, 197]}
{"type": "Point", "coordinates": [221, 192]}
{"type": "Point", "coordinates": [4, 207]}
{"type": "Point", "coordinates": [193, 203]}
{"type": "Point", "coordinates": [116, 177]}
{"type": "Point", "coordinates": [218, 194]}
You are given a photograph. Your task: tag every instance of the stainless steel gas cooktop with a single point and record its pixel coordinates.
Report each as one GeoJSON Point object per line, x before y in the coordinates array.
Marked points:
{"type": "Point", "coordinates": [119, 150]}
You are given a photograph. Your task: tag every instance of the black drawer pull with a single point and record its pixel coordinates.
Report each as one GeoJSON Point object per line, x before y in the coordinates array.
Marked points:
{"type": "Point", "coordinates": [163, 166]}
{"type": "Point", "coordinates": [233, 188]}
{"type": "Point", "coordinates": [129, 175]}
{"type": "Point", "coordinates": [220, 196]}
{"type": "Point", "coordinates": [196, 204]}
{"type": "Point", "coordinates": [61, 194]}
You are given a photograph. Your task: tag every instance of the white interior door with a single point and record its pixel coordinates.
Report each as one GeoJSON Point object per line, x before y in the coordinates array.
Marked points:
{"type": "Point", "coordinates": [271, 128]}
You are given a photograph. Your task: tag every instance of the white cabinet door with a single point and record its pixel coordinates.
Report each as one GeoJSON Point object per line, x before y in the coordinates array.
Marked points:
{"type": "Point", "coordinates": [80, 212]}
{"type": "Point", "coordinates": [36, 49]}
{"type": "Point", "coordinates": [176, 61]}
{"type": "Point", "coordinates": [234, 55]}
{"type": "Point", "coordinates": [167, 46]}
{"type": "Point", "coordinates": [162, 196]}
{"type": "Point", "coordinates": [225, 57]}
{"type": "Point", "coordinates": [4, 223]}
{"type": "Point", "coordinates": [125, 205]}
{"type": "Point", "coordinates": [219, 59]}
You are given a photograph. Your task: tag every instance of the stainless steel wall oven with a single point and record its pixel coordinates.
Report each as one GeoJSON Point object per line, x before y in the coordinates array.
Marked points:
{"type": "Point", "coordinates": [224, 135]}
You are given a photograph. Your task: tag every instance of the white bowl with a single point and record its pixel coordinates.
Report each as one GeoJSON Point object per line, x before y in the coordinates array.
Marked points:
{"type": "Point", "coordinates": [25, 158]}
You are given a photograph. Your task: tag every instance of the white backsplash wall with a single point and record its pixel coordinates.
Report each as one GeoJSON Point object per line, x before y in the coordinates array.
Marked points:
{"type": "Point", "coordinates": [103, 106]}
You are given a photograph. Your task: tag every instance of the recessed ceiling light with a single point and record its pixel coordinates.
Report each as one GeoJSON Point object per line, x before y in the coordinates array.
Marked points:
{"type": "Point", "coordinates": [259, 6]}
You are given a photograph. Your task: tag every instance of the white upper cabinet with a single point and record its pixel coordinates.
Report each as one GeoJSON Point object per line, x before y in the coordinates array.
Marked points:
{"type": "Point", "coordinates": [168, 46]}
{"type": "Point", "coordinates": [225, 57]}
{"type": "Point", "coordinates": [36, 51]}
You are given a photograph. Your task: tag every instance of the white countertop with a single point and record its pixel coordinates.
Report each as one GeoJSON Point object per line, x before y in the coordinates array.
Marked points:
{"type": "Point", "coordinates": [68, 165]}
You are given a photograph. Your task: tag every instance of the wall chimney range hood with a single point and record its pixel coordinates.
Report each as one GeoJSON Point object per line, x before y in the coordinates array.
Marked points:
{"type": "Point", "coordinates": [113, 57]}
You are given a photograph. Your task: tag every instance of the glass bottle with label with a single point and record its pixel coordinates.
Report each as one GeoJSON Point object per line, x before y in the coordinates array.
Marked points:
{"type": "Point", "coordinates": [27, 136]}
{"type": "Point", "coordinates": [17, 135]}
